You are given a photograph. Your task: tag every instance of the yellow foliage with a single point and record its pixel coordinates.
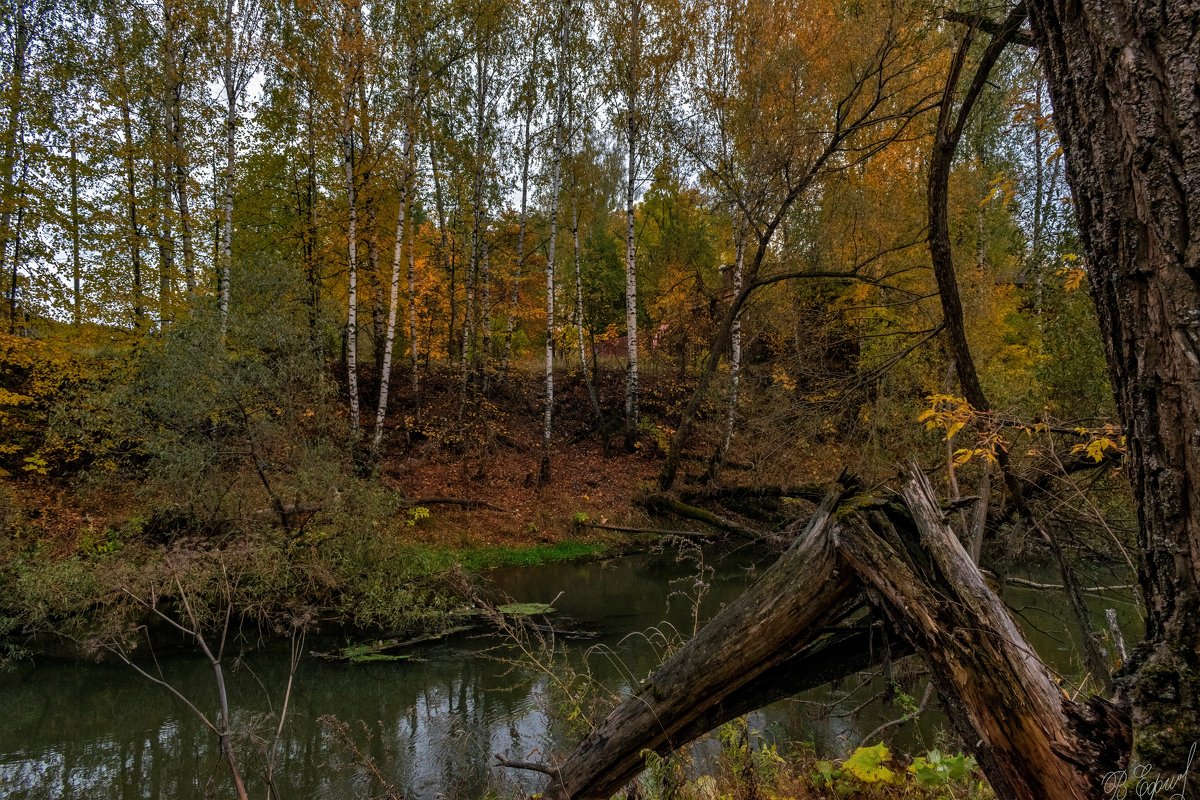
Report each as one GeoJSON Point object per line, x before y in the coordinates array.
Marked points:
{"type": "Point", "coordinates": [1100, 443]}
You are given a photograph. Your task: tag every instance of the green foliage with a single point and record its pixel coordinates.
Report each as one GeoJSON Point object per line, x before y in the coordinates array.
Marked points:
{"type": "Point", "coordinates": [869, 764]}
{"type": "Point", "coordinates": [868, 771]}
{"type": "Point", "coordinates": [367, 654]}
{"type": "Point", "coordinates": [935, 769]}
{"type": "Point", "coordinates": [1074, 371]}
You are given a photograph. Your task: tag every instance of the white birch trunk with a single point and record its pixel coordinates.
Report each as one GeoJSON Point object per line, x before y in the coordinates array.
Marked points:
{"type": "Point", "coordinates": [76, 268]}
{"type": "Point", "coordinates": [631, 323]}
{"type": "Point", "coordinates": [412, 276]}
{"type": "Point", "coordinates": [555, 186]}
{"type": "Point", "coordinates": [230, 163]}
{"type": "Point", "coordinates": [385, 373]}
{"type": "Point", "coordinates": [485, 309]}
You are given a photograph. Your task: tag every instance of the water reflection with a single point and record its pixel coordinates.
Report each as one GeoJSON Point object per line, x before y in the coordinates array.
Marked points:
{"type": "Point", "coordinates": [100, 732]}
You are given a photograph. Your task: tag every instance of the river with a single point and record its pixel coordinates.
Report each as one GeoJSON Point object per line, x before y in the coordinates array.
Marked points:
{"type": "Point", "coordinates": [98, 731]}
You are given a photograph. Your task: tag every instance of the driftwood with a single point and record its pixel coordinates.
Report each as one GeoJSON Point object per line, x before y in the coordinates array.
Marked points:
{"type": "Point", "coordinates": [899, 556]}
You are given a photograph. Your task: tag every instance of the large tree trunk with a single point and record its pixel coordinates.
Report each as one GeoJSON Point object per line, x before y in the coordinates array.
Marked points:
{"type": "Point", "coordinates": [1123, 79]}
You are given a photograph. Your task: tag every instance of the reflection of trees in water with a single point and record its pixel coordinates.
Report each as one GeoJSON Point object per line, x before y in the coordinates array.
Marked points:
{"type": "Point", "coordinates": [97, 731]}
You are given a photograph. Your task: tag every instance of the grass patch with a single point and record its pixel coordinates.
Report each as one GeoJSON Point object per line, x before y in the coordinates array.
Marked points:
{"type": "Point", "coordinates": [480, 558]}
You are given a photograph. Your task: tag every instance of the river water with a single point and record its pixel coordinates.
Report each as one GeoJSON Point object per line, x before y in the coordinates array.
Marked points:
{"type": "Point", "coordinates": [433, 725]}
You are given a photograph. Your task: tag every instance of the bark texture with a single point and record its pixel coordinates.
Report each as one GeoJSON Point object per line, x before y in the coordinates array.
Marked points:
{"type": "Point", "coordinates": [1123, 80]}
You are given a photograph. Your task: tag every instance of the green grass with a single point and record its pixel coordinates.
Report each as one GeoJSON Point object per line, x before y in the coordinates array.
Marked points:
{"type": "Point", "coordinates": [480, 558]}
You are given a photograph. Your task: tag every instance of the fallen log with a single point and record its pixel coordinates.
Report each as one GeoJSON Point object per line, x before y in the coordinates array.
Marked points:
{"type": "Point", "coordinates": [1032, 742]}
{"type": "Point", "coordinates": [811, 493]}
{"type": "Point", "coordinates": [651, 531]}
{"type": "Point", "coordinates": [664, 504]}
{"type": "Point", "coordinates": [684, 696]}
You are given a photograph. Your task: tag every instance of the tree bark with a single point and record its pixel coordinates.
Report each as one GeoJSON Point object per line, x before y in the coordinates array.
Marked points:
{"type": "Point", "coordinates": [632, 391]}
{"type": "Point", "coordinates": [1122, 78]}
{"type": "Point", "coordinates": [352, 299]}
{"type": "Point", "coordinates": [1031, 741]}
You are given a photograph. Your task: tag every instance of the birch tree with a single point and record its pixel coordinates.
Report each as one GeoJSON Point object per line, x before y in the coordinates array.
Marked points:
{"type": "Point", "coordinates": [350, 55]}
{"type": "Point", "coordinates": [556, 137]}
{"type": "Point", "coordinates": [643, 41]}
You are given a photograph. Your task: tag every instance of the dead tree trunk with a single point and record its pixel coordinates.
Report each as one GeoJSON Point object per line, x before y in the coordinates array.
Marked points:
{"type": "Point", "coordinates": [742, 645]}
{"type": "Point", "coordinates": [1031, 740]}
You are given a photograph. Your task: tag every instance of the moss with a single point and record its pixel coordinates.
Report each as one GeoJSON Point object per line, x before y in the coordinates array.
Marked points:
{"type": "Point", "coordinates": [1166, 695]}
